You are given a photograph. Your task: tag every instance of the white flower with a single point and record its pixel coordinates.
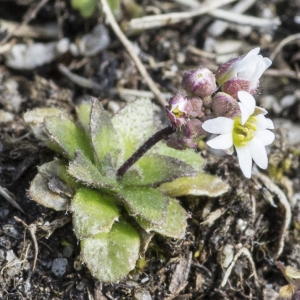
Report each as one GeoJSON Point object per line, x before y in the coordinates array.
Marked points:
{"type": "Point", "coordinates": [248, 134]}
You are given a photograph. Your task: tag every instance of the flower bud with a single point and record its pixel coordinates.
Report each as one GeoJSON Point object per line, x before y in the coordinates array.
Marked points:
{"type": "Point", "coordinates": [242, 73]}
{"type": "Point", "coordinates": [196, 104]}
{"type": "Point", "coordinates": [178, 109]}
{"type": "Point", "coordinates": [194, 129]}
{"type": "Point", "coordinates": [224, 105]}
{"type": "Point", "coordinates": [188, 136]}
{"type": "Point", "coordinates": [199, 82]}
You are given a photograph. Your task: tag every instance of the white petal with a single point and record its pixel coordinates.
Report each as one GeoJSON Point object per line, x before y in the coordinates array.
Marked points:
{"type": "Point", "coordinates": [223, 141]}
{"type": "Point", "coordinates": [229, 151]}
{"type": "Point", "coordinates": [267, 137]}
{"type": "Point", "coordinates": [253, 52]}
{"type": "Point", "coordinates": [245, 160]}
{"type": "Point", "coordinates": [218, 125]}
{"type": "Point", "coordinates": [267, 62]}
{"type": "Point", "coordinates": [263, 122]}
{"type": "Point", "coordinates": [247, 105]}
{"type": "Point", "coordinates": [258, 152]}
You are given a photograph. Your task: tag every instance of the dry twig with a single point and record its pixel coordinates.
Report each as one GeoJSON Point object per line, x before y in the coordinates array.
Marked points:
{"type": "Point", "coordinates": [242, 251]}
{"type": "Point", "coordinates": [173, 18]}
{"type": "Point", "coordinates": [10, 198]}
{"type": "Point", "coordinates": [284, 42]}
{"type": "Point", "coordinates": [32, 230]}
{"type": "Point", "coordinates": [272, 187]}
{"type": "Point", "coordinates": [210, 9]}
{"type": "Point", "coordinates": [23, 30]}
{"type": "Point", "coordinates": [129, 47]}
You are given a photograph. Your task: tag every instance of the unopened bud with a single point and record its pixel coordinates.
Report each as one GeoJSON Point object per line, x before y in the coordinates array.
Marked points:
{"type": "Point", "coordinates": [199, 82]}
{"type": "Point", "coordinates": [196, 104]}
{"type": "Point", "coordinates": [194, 129]}
{"type": "Point", "coordinates": [224, 105]}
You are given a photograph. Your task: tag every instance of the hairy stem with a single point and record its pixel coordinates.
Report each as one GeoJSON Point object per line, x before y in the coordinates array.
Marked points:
{"type": "Point", "coordinates": [154, 139]}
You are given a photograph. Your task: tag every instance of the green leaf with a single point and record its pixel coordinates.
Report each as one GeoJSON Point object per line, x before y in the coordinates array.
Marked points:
{"type": "Point", "coordinates": [148, 203]}
{"type": "Point", "coordinates": [93, 212]}
{"type": "Point", "coordinates": [85, 7]}
{"type": "Point", "coordinates": [134, 125]}
{"type": "Point", "coordinates": [83, 112]}
{"type": "Point", "coordinates": [154, 169]}
{"type": "Point", "coordinates": [104, 138]}
{"type": "Point", "coordinates": [201, 185]}
{"type": "Point", "coordinates": [82, 169]}
{"type": "Point", "coordinates": [68, 137]}
{"type": "Point", "coordinates": [189, 156]}
{"type": "Point", "coordinates": [111, 256]}
{"type": "Point", "coordinates": [175, 223]}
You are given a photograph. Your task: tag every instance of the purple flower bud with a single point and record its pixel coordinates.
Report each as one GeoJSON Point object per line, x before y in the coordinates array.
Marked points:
{"type": "Point", "coordinates": [194, 129]}
{"type": "Point", "coordinates": [178, 109]}
{"type": "Point", "coordinates": [242, 73]}
{"type": "Point", "coordinates": [196, 104]}
{"type": "Point", "coordinates": [224, 105]}
{"type": "Point", "coordinates": [188, 136]}
{"type": "Point", "coordinates": [199, 82]}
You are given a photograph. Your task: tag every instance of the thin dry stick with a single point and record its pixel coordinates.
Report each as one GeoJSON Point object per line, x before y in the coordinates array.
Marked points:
{"type": "Point", "coordinates": [10, 198]}
{"type": "Point", "coordinates": [28, 16]}
{"type": "Point", "coordinates": [129, 47]}
{"type": "Point", "coordinates": [218, 27]}
{"type": "Point", "coordinates": [282, 73]}
{"type": "Point", "coordinates": [285, 41]}
{"type": "Point", "coordinates": [81, 81]}
{"type": "Point", "coordinates": [245, 20]}
{"type": "Point", "coordinates": [173, 18]}
{"type": "Point", "coordinates": [272, 187]}
{"type": "Point", "coordinates": [32, 230]}
{"type": "Point", "coordinates": [246, 252]}
{"type": "Point", "coordinates": [210, 9]}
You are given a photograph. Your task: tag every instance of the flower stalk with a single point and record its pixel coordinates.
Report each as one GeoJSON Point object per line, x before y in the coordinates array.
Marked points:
{"type": "Point", "coordinates": [153, 140]}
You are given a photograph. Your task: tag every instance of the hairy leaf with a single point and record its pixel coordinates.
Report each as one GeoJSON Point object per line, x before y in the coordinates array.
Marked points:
{"type": "Point", "coordinates": [134, 125]}
{"type": "Point", "coordinates": [86, 172]}
{"type": "Point", "coordinates": [154, 169]}
{"type": "Point", "coordinates": [93, 212]}
{"type": "Point", "coordinates": [110, 256]}
{"type": "Point", "coordinates": [175, 223]}
{"type": "Point", "coordinates": [68, 136]}
{"type": "Point", "coordinates": [104, 138]}
{"type": "Point", "coordinates": [201, 185]}
{"type": "Point", "coordinates": [148, 203]}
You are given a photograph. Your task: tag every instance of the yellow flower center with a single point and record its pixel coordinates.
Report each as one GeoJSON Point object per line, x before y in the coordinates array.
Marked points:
{"type": "Point", "coordinates": [242, 134]}
{"type": "Point", "coordinates": [178, 113]}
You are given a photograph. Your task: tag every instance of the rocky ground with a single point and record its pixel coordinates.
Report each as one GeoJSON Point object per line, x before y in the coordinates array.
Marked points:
{"type": "Point", "coordinates": [233, 241]}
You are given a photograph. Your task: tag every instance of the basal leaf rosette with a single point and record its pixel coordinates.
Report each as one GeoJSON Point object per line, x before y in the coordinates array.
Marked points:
{"type": "Point", "coordinates": [84, 181]}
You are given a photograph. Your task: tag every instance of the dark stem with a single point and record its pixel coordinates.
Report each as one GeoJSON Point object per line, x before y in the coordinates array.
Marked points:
{"type": "Point", "coordinates": [154, 139]}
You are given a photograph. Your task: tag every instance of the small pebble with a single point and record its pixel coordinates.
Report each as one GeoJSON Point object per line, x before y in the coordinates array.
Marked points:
{"type": "Point", "coordinates": [5, 242]}
{"type": "Point", "coordinates": [68, 251]}
{"type": "Point", "coordinates": [3, 213]}
{"type": "Point", "coordinates": [10, 230]}
{"type": "Point", "coordinates": [142, 294]}
{"type": "Point", "coordinates": [80, 286]}
{"type": "Point", "coordinates": [288, 101]}
{"type": "Point", "coordinates": [59, 266]}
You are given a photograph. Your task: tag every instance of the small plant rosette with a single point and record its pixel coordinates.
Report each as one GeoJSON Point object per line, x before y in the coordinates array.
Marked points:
{"type": "Point", "coordinates": [108, 212]}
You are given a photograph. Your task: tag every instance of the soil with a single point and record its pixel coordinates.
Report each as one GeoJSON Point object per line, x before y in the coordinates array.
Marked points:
{"type": "Point", "coordinates": [247, 222]}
